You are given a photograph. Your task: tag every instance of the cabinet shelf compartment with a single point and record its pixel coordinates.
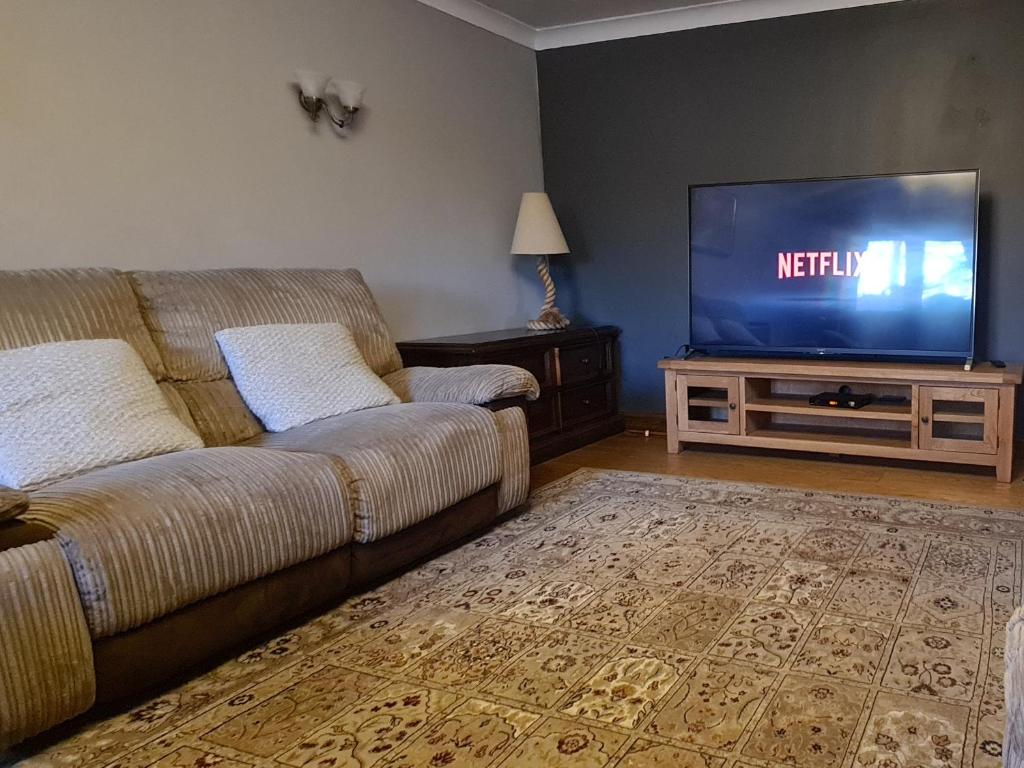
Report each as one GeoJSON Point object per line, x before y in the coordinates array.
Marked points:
{"type": "Point", "coordinates": [709, 403]}
{"type": "Point", "coordinates": [797, 404]}
{"type": "Point", "coordinates": [960, 419]}
{"type": "Point", "coordinates": [836, 428]}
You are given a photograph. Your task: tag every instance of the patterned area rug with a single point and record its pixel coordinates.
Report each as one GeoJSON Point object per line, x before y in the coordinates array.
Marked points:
{"type": "Point", "coordinates": [631, 620]}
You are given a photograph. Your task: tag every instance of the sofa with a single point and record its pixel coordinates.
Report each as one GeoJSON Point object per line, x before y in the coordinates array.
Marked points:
{"type": "Point", "coordinates": [120, 578]}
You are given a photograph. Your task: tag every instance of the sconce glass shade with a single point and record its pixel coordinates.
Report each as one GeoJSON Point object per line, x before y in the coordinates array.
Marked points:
{"type": "Point", "coordinates": [537, 231]}
{"type": "Point", "coordinates": [350, 93]}
{"type": "Point", "coordinates": [312, 84]}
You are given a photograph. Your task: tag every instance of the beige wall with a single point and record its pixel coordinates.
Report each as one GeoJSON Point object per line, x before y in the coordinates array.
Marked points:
{"type": "Point", "coordinates": [163, 134]}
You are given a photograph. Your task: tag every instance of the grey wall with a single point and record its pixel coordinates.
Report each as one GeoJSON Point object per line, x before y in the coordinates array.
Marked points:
{"type": "Point", "coordinates": [163, 134]}
{"type": "Point", "coordinates": [627, 125]}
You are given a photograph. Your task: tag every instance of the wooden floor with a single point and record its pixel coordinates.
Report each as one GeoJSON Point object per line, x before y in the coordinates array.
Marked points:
{"type": "Point", "coordinates": [973, 486]}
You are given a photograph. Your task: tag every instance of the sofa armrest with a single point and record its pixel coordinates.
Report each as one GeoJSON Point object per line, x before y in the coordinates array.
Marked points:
{"type": "Point", "coordinates": [471, 384]}
{"type": "Point", "coordinates": [18, 533]}
{"type": "Point", "coordinates": [15, 532]}
{"type": "Point", "coordinates": [519, 401]}
{"type": "Point", "coordinates": [47, 675]}
{"type": "Point", "coordinates": [12, 503]}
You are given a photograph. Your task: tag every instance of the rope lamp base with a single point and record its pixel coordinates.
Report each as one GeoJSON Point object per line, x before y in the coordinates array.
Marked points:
{"type": "Point", "coordinates": [550, 317]}
{"type": "Point", "coordinates": [549, 320]}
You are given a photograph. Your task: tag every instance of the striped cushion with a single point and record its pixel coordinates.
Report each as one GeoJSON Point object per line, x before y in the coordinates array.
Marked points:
{"type": "Point", "coordinates": [515, 458]}
{"type": "Point", "coordinates": [185, 309]}
{"type": "Point", "coordinates": [46, 671]}
{"type": "Point", "coordinates": [218, 411]}
{"type": "Point", "coordinates": [476, 384]}
{"type": "Point", "coordinates": [403, 463]}
{"type": "Point", "coordinates": [148, 537]}
{"type": "Point", "coordinates": [45, 305]}
{"type": "Point", "coordinates": [178, 406]}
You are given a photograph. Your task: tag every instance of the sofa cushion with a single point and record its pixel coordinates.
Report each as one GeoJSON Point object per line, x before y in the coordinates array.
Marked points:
{"type": "Point", "coordinates": [151, 536]}
{"type": "Point", "coordinates": [403, 463]}
{"type": "Point", "coordinates": [292, 374]}
{"type": "Point", "coordinates": [218, 411]}
{"type": "Point", "coordinates": [71, 406]}
{"type": "Point", "coordinates": [45, 305]}
{"type": "Point", "coordinates": [185, 309]}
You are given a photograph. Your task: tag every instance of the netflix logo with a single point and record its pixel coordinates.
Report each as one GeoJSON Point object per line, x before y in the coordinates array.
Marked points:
{"type": "Point", "coordinates": [819, 264]}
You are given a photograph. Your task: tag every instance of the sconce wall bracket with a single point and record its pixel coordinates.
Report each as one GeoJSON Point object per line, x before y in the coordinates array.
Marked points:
{"type": "Point", "coordinates": [314, 106]}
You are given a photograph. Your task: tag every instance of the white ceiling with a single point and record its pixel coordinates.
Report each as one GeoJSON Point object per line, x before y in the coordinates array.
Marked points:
{"type": "Point", "coordinates": [543, 24]}
{"type": "Point", "coordinates": [557, 13]}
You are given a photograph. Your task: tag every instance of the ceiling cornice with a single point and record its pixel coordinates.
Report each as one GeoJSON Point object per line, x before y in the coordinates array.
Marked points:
{"type": "Point", "coordinates": [487, 18]}
{"type": "Point", "coordinates": [637, 25]}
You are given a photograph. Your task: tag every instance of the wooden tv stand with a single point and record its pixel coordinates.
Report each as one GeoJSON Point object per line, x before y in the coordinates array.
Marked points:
{"type": "Point", "coordinates": [949, 414]}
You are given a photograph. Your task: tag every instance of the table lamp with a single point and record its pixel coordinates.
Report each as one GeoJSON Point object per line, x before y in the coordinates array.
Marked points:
{"type": "Point", "coordinates": [538, 234]}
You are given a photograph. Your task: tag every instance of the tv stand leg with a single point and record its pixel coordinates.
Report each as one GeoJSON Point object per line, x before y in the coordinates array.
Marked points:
{"type": "Point", "coordinates": [674, 446]}
{"type": "Point", "coordinates": [1004, 433]}
{"type": "Point", "coordinates": [969, 364]}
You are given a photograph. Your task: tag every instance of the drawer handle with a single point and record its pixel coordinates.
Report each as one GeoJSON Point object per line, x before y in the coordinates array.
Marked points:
{"type": "Point", "coordinates": [584, 361]}
{"type": "Point", "coordinates": [586, 401]}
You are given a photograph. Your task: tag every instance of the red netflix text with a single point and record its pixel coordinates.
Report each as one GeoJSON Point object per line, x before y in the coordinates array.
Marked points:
{"type": "Point", "coordinates": [819, 264]}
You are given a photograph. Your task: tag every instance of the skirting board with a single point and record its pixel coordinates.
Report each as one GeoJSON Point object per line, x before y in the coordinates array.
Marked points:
{"type": "Point", "coordinates": [644, 422]}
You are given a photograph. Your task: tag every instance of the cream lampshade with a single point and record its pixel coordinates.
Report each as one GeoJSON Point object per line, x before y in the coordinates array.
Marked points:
{"type": "Point", "coordinates": [538, 234]}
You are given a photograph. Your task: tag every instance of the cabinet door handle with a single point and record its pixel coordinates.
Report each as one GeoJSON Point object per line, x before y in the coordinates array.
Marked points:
{"type": "Point", "coordinates": [732, 406]}
{"type": "Point", "coordinates": [584, 361]}
{"type": "Point", "coordinates": [924, 419]}
{"type": "Point", "coordinates": [586, 401]}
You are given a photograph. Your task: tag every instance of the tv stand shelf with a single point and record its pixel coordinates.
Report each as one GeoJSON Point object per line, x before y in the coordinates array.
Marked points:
{"type": "Point", "coordinates": [946, 414]}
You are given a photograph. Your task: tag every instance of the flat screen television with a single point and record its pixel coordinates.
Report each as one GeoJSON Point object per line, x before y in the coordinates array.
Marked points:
{"type": "Point", "coordinates": [855, 267]}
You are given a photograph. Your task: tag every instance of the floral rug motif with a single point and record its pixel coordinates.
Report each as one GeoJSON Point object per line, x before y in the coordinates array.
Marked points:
{"type": "Point", "coordinates": [630, 620]}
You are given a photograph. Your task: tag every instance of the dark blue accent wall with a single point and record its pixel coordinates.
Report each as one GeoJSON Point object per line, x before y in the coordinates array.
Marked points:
{"type": "Point", "coordinates": [900, 87]}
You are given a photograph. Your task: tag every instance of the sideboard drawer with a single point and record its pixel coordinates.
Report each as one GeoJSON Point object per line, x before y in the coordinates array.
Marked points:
{"type": "Point", "coordinates": [582, 363]}
{"type": "Point", "coordinates": [585, 403]}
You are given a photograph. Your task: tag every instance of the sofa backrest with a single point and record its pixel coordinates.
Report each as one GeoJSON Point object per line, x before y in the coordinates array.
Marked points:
{"type": "Point", "coordinates": [170, 318]}
{"type": "Point", "coordinates": [39, 306]}
{"type": "Point", "coordinates": [183, 311]}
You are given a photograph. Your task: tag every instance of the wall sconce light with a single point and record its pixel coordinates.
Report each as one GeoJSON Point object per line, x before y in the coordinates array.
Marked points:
{"type": "Point", "coordinates": [317, 90]}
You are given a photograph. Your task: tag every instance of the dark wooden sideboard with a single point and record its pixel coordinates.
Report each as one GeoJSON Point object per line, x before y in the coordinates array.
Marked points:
{"type": "Point", "coordinates": [577, 369]}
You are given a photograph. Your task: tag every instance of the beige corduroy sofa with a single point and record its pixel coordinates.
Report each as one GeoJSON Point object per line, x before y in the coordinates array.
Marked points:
{"type": "Point", "coordinates": [119, 578]}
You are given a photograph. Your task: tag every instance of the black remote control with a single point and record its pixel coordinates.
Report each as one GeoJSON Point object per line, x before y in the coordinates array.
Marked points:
{"type": "Point", "coordinates": [998, 363]}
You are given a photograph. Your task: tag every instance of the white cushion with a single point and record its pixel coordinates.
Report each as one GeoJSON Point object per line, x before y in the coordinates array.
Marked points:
{"type": "Point", "coordinates": [71, 406]}
{"type": "Point", "coordinates": [294, 374]}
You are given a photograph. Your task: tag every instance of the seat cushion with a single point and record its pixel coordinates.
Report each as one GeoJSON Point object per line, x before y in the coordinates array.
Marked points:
{"type": "Point", "coordinates": [185, 310]}
{"type": "Point", "coordinates": [148, 537]}
{"type": "Point", "coordinates": [403, 463]}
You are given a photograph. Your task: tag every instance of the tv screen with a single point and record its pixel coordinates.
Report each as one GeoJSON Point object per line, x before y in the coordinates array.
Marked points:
{"type": "Point", "coordinates": [867, 266]}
